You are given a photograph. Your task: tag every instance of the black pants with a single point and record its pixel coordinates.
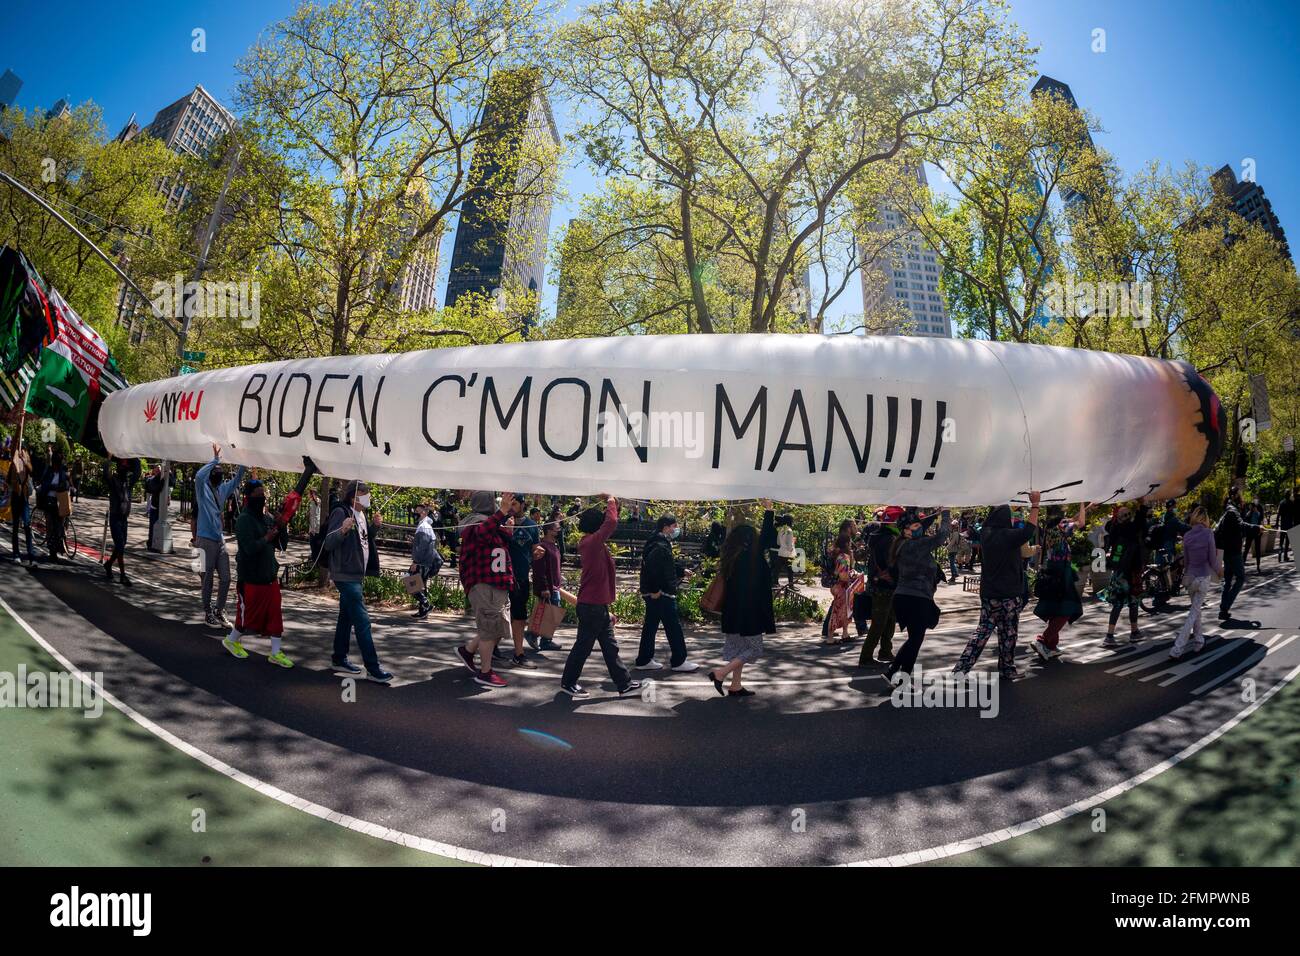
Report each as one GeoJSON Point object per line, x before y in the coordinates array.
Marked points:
{"type": "Point", "coordinates": [22, 515]}
{"type": "Point", "coordinates": [595, 627]}
{"type": "Point", "coordinates": [54, 531]}
{"type": "Point", "coordinates": [918, 615]}
{"type": "Point", "coordinates": [117, 532]}
{"type": "Point", "coordinates": [662, 609]}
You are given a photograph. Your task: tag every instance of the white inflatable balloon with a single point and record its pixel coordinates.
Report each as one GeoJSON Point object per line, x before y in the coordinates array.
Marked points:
{"type": "Point", "coordinates": [797, 418]}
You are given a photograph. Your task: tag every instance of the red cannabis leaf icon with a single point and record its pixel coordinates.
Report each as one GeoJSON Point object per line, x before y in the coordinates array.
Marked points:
{"type": "Point", "coordinates": [151, 409]}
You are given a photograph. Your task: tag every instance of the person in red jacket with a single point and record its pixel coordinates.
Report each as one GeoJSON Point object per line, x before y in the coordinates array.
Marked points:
{"type": "Point", "coordinates": [487, 577]}
{"type": "Point", "coordinates": [595, 595]}
{"type": "Point", "coordinates": [547, 579]}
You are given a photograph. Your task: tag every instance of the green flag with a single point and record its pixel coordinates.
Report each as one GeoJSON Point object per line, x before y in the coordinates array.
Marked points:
{"type": "Point", "coordinates": [76, 371]}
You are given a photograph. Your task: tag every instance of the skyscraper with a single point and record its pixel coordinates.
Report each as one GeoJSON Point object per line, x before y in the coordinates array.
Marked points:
{"type": "Point", "coordinates": [906, 272]}
{"type": "Point", "coordinates": [497, 248]}
{"type": "Point", "coordinates": [414, 288]}
{"type": "Point", "coordinates": [191, 126]}
{"type": "Point", "coordinates": [1246, 198]}
{"type": "Point", "coordinates": [10, 84]}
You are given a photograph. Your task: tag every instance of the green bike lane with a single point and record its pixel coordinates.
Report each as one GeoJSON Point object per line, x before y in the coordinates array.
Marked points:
{"type": "Point", "coordinates": [105, 791]}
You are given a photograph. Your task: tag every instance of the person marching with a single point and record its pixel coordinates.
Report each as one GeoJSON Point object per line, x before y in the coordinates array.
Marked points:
{"type": "Point", "coordinates": [1057, 588]}
{"type": "Point", "coordinates": [353, 558]}
{"type": "Point", "coordinates": [918, 573]}
{"type": "Point", "coordinates": [595, 595]}
{"type": "Point", "coordinates": [257, 588]}
{"type": "Point", "coordinates": [747, 612]}
{"type": "Point", "coordinates": [120, 476]}
{"type": "Point", "coordinates": [1201, 559]}
{"type": "Point", "coordinates": [210, 494]}
{"type": "Point", "coordinates": [21, 488]}
{"type": "Point", "coordinates": [487, 578]}
{"type": "Point", "coordinates": [1002, 587]}
{"type": "Point", "coordinates": [1126, 533]}
{"type": "Point", "coordinates": [424, 555]}
{"type": "Point", "coordinates": [882, 578]}
{"type": "Point", "coordinates": [661, 575]}
{"type": "Point", "coordinates": [548, 580]}
{"type": "Point", "coordinates": [848, 584]}
{"type": "Point", "coordinates": [1287, 516]}
{"type": "Point", "coordinates": [524, 536]}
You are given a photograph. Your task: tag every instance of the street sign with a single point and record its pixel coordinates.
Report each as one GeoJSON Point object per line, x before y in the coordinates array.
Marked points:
{"type": "Point", "coordinates": [195, 357]}
{"type": "Point", "coordinates": [188, 370]}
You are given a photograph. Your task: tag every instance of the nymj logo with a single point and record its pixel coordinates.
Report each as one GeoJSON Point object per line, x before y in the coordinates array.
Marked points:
{"type": "Point", "coordinates": [174, 407]}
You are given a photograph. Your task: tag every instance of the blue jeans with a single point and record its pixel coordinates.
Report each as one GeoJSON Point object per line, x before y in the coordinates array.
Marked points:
{"type": "Point", "coordinates": [1234, 576]}
{"type": "Point", "coordinates": [353, 616]}
{"type": "Point", "coordinates": [662, 608]}
{"type": "Point", "coordinates": [22, 515]}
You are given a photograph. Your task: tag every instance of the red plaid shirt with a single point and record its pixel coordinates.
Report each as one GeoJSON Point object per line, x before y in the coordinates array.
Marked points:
{"type": "Point", "coordinates": [485, 554]}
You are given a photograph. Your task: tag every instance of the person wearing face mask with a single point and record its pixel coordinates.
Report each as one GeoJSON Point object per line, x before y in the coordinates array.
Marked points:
{"type": "Point", "coordinates": [661, 576]}
{"type": "Point", "coordinates": [210, 495]}
{"type": "Point", "coordinates": [1002, 587]}
{"type": "Point", "coordinates": [257, 588]}
{"type": "Point", "coordinates": [918, 573]}
{"type": "Point", "coordinates": [1127, 560]}
{"type": "Point", "coordinates": [352, 557]}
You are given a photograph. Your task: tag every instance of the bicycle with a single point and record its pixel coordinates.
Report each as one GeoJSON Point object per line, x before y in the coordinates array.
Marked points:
{"type": "Point", "coordinates": [71, 544]}
{"type": "Point", "coordinates": [1161, 581]}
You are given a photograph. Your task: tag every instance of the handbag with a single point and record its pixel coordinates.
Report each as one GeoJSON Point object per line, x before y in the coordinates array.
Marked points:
{"type": "Point", "coordinates": [413, 582]}
{"type": "Point", "coordinates": [714, 595]}
{"type": "Point", "coordinates": [65, 504]}
{"type": "Point", "coordinates": [546, 617]}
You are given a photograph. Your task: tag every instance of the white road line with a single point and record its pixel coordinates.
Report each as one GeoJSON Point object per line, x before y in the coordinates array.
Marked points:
{"type": "Point", "coordinates": [1079, 806]}
{"type": "Point", "coordinates": [290, 800]}
{"type": "Point", "coordinates": [1249, 662]}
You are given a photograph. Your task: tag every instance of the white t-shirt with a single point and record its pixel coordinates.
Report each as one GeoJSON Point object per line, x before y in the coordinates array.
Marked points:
{"type": "Point", "coordinates": [364, 530]}
{"type": "Point", "coordinates": [785, 542]}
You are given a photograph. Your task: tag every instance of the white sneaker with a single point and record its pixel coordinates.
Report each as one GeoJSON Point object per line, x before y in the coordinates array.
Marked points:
{"type": "Point", "coordinates": [1041, 649]}
{"type": "Point", "coordinates": [1054, 652]}
{"type": "Point", "coordinates": [650, 665]}
{"type": "Point", "coordinates": [1175, 654]}
{"type": "Point", "coordinates": [685, 667]}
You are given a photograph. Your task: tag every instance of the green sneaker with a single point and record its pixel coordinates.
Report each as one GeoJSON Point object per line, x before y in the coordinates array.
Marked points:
{"type": "Point", "coordinates": [236, 649]}
{"type": "Point", "coordinates": [280, 660]}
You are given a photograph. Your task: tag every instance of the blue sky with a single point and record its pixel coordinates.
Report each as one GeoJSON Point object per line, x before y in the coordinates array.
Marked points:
{"type": "Point", "coordinates": [1213, 81]}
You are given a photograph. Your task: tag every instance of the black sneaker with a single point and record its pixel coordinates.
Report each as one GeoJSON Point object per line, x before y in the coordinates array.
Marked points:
{"type": "Point", "coordinates": [884, 657]}
{"type": "Point", "coordinates": [531, 638]}
{"type": "Point", "coordinates": [221, 619]}
{"type": "Point", "coordinates": [576, 691]}
{"type": "Point", "coordinates": [347, 668]}
{"type": "Point", "coordinates": [498, 654]}
{"type": "Point", "coordinates": [210, 620]}
{"type": "Point", "coordinates": [546, 644]}
{"type": "Point", "coordinates": [519, 660]}
{"type": "Point", "coordinates": [108, 572]}
{"type": "Point", "coordinates": [422, 613]}
{"type": "Point", "coordinates": [126, 582]}
{"type": "Point", "coordinates": [633, 688]}
{"type": "Point", "coordinates": [380, 676]}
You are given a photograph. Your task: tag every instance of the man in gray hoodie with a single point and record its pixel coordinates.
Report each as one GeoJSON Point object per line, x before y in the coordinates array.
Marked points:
{"type": "Point", "coordinates": [351, 549]}
{"type": "Point", "coordinates": [1002, 587]}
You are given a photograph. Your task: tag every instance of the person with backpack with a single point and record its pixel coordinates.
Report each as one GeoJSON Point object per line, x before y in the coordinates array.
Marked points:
{"type": "Point", "coordinates": [1202, 561]}
{"type": "Point", "coordinates": [487, 578]}
{"type": "Point", "coordinates": [661, 576]}
{"type": "Point", "coordinates": [913, 555]}
{"type": "Point", "coordinates": [1002, 587]}
{"type": "Point", "coordinates": [595, 595]}
{"type": "Point", "coordinates": [120, 476]}
{"type": "Point", "coordinates": [1127, 533]}
{"type": "Point", "coordinates": [1229, 537]}
{"type": "Point", "coordinates": [258, 608]}
{"type": "Point", "coordinates": [352, 558]}
{"type": "Point", "coordinates": [1056, 588]}
{"type": "Point", "coordinates": [747, 610]}
{"type": "Point", "coordinates": [881, 575]}
{"type": "Point", "coordinates": [425, 559]}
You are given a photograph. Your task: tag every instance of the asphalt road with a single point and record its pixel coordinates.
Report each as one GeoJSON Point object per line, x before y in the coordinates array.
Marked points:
{"type": "Point", "coordinates": [820, 767]}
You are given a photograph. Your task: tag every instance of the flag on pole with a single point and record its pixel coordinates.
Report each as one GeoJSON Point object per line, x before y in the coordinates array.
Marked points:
{"type": "Point", "coordinates": [26, 320]}
{"type": "Point", "coordinates": [76, 371]}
